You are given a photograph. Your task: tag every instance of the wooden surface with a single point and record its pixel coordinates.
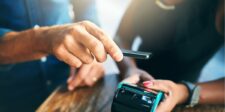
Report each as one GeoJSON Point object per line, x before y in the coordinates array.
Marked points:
{"type": "Point", "coordinates": [98, 99]}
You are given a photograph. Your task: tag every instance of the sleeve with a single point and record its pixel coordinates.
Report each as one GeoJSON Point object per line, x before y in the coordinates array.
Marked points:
{"type": "Point", "coordinates": [5, 67]}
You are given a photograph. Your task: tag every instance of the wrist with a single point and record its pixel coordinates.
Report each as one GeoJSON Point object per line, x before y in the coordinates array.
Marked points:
{"type": "Point", "coordinates": [185, 94]}
{"type": "Point", "coordinates": [40, 40]}
{"type": "Point", "coordinates": [194, 93]}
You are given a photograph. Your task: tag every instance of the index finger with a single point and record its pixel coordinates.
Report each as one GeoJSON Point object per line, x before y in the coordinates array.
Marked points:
{"type": "Point", "coordinates": [110, 46]}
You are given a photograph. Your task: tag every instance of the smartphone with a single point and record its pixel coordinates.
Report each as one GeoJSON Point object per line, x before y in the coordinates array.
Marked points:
{"type": "Point", "coordinates": [137, 54]}
{"type": "Point", "coordinates": [133, 98]}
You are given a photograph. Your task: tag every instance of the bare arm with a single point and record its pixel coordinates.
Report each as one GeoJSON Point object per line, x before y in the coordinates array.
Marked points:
{"type": "Point", "coordinates": [72, 43]}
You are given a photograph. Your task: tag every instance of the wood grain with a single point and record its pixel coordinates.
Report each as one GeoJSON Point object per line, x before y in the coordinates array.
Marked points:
{"type": "Point", "coordinates": [98, 99]}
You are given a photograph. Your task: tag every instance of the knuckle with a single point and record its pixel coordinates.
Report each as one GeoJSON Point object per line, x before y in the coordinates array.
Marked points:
{"type": "Point", "coordinates": [74, 29]}
{"type": "Point", "coordinates": [171, 83]}
{"type": "Point", "coordinates": [58, 51]}
{"type": "Point", "coordinates": [93, 43]}
{"type": "Point", "coordinates": [85, 22]}
{"type": "Point", "coordinates": [96, 46]}
{"type": "Point", "coordinates": [88, 59]}
{"type": "Point", "coordinates": [103, 37]}
{"type": "Point", "coordinates": [170, 88]}
{"type": "Point", "coordinates": [102, 34]}
{"type": "Point", "coordinates": [66, 36]}
{"type": "Point", "coordinates": [71, 29]}
{"type": "Point", "coordinates": [68, 40]}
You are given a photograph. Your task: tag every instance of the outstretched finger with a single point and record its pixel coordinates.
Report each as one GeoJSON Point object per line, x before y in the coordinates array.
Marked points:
{"type": "Point", "coordinates": [109, 45]}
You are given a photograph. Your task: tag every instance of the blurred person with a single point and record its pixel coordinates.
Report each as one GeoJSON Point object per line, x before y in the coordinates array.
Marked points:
{"type": "Point", "coordinates": [38, 43]}
{"type": "Point", "coordinates": [183, 35]}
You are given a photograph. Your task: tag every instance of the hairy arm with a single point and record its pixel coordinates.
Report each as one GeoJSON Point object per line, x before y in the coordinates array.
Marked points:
{"type": "Point", "coordinates": [20, 46]}
{"type": "Point", "coordinates": [74, 44]}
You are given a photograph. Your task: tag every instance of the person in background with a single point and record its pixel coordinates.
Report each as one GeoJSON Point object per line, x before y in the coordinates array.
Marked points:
{"type": "Point", "coordinates": [183, 35]}
{"type": "Point", "coordinates": [38, 43]}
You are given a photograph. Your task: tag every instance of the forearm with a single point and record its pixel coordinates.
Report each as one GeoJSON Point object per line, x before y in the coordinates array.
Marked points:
{"type": "Point", "coordinates": [20, 46]}
{"type": "Point", "coordinates": [75, 44]}
{"type": "Point", "coordinates": [212, 92]}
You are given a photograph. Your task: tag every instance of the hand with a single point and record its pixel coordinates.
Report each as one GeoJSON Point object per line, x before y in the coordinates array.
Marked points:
{"type": "Point", "coordinates": [87, 75]}
{"type": "Point", "coordinates": [78, 43]}
{"type": "Point", "coordinates": [136, 75]}
{"type": "Point", "coordinates": [174, 93]}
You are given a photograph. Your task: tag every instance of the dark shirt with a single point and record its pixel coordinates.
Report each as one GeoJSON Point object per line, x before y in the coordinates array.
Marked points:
{"type": "Point", "coordinates": [182, 40]}
{"type": "Point", "coordinates": [25, 85]}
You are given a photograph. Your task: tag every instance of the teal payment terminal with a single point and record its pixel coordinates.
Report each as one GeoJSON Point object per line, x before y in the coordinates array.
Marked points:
{"type": "Point", "coordinates": [132, 98]}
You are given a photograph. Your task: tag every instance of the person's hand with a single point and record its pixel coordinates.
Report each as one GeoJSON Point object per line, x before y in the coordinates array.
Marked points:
{"type": "Point", "coordinates": [86, 75]}
{"type": "Point", "coordinates": [136, 75]}
{"type": "Point", "coordinates": [174, 93]}
{"type": "Point", "coordinates": [77, 43]}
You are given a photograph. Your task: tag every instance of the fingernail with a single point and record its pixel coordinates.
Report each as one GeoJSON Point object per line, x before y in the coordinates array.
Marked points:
{"type": "Point", "coordinates": [118, 56]}
{"type": "Point", "coordinates": [148, 83]}
{"type": "Point", "coordinates": [69, 80]}
{"type": "Point", "coordinates": [70, 88]}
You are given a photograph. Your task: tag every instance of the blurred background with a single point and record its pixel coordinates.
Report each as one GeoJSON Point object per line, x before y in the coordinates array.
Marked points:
{"type": "Point", "coordinates": [109, 15]}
